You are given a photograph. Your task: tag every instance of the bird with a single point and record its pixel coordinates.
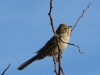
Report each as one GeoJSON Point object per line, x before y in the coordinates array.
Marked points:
{"type": "Point", "coordinates": [63, 32]}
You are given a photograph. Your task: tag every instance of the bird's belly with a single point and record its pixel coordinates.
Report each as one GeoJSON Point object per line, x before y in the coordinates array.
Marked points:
{"type": "Point", "coordinates": [62, 45]}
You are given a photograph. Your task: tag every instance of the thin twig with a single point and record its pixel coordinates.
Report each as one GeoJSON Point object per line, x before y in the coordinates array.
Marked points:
{"type": "Point", "coordinates": [54, 59]}
{"type": "Point", "coordinates": [62, 70]}
{"type": "Point", "coordinates": [73, 45]}
{"type": "Point", "coordinates": [51, 21]}
{"type": "Point", "coordinates": [77, 47]}
{"type": "Point", "coordinates": [81, 16]}
{"type": "Point", "coordinates": [5, 70]}
{"type": "Point", "coordinates": [55, 66]}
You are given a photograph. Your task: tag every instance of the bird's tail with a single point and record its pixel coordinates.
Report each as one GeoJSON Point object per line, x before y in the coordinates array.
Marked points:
{"type": "Point", "coordinates": [25, 64]}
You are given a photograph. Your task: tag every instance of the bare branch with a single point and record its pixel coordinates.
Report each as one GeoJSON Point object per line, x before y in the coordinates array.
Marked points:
{"type": "Point", "coordinates": [62, 70]}
{"type": "Point", "coordinates": [51, 21]}
{"type": "Point", "coordinates": [81, 16]}
{"type": "Point", "coordinates": [73, 45]}
{"type": "Point", "coordinates": [77, 47]}
{"type": "Point", "coordinates": [54, 59]}
{"type": "Point", "coordinates": [5, 70]}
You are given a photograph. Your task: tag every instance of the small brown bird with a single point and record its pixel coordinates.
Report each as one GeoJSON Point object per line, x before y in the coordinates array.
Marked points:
{"type": "Point", "coordinates": [50, 47]}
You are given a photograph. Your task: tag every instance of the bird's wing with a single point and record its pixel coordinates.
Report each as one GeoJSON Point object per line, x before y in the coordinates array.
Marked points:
{"type": "Point", "coordinates": [48, 47]}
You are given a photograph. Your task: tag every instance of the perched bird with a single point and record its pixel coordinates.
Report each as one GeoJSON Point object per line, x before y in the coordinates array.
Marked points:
{"type": "Point", "coordinates": [63, 33]}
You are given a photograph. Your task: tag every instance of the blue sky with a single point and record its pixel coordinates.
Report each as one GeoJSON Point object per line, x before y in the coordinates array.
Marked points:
{"type": "Point", "coordinates": [25, 28]}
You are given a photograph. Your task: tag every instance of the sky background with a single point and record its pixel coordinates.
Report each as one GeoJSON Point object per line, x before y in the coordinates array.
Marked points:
{"type": "Point", "coordinates": [25, 28]}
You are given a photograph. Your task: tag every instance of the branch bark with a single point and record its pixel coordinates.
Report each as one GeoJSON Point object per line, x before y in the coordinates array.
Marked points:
{"type": "Point", "coordinates": [5, 70]}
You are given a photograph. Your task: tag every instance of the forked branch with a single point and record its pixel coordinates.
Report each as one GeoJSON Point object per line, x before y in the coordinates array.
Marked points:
{"type": "Point", "coordinates": [59, 62]}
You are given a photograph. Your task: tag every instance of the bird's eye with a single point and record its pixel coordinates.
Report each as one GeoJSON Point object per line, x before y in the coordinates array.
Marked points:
{"type": "Point", "coordinates": [64, 28]}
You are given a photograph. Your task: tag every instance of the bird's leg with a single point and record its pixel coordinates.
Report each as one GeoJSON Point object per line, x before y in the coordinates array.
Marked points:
{"type": "Point", "coordinates": [54, 58]}
{"type": "Point", "coordinates": [61, 55]}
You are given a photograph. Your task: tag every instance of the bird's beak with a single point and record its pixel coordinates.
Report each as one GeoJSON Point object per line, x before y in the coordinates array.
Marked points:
{"type": "Point", "coordinates": [69, 26]}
